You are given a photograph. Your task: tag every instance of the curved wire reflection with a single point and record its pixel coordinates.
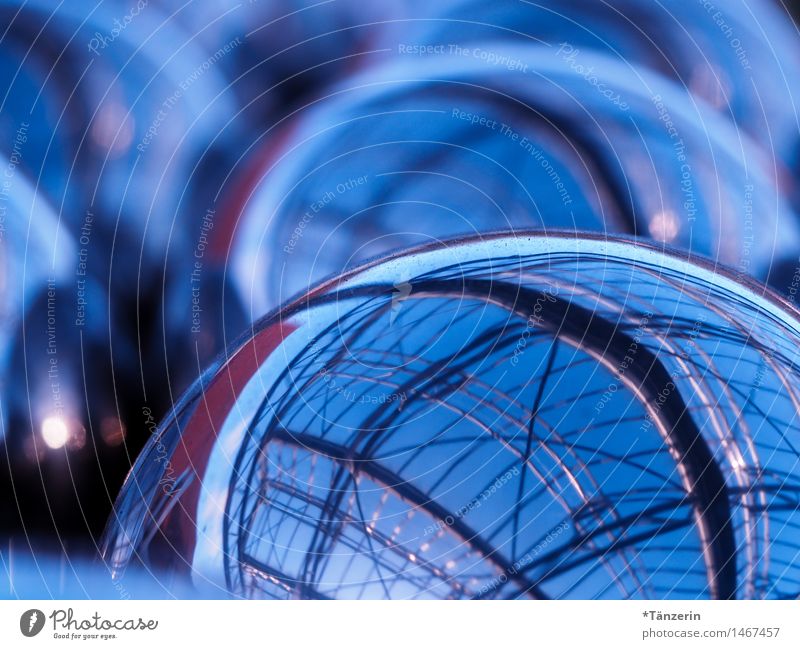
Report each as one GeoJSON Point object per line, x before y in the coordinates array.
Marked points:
{"type": "Point", "coordinates": [496, 417]}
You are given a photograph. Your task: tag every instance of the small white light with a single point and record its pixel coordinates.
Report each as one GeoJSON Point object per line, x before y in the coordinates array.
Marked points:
{"type": "Point", "coordinates": [55, 432]}
{"type": "Point", "coordinates": [664, 226]}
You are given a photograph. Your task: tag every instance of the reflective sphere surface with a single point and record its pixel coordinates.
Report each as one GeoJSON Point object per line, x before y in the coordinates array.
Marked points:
{"type": "Point", "coordinates": [494, 417]}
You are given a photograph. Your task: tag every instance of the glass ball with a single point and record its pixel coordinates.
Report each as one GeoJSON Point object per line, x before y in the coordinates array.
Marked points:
{"type": "Point", "coordinates": [498, 416]}
{"type": "Point", "coordinates": [406, 154]}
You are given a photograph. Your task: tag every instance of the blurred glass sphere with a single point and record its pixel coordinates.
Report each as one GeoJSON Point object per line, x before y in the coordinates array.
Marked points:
{"type": "Point", "coordinates": [493, 417]}
{"type": "Point", "coordinates": [125, 105]}
{"type": "Point", "coordinates": [61, 433]}
{"type": "Point", "coordinates": [121, 109]}
{"type": "Point", "coordinates": [734, 56]}
{"type": "Point", "coordinates": [35, 256]}
{"type": "Point", "coordinates": [409, 153]}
